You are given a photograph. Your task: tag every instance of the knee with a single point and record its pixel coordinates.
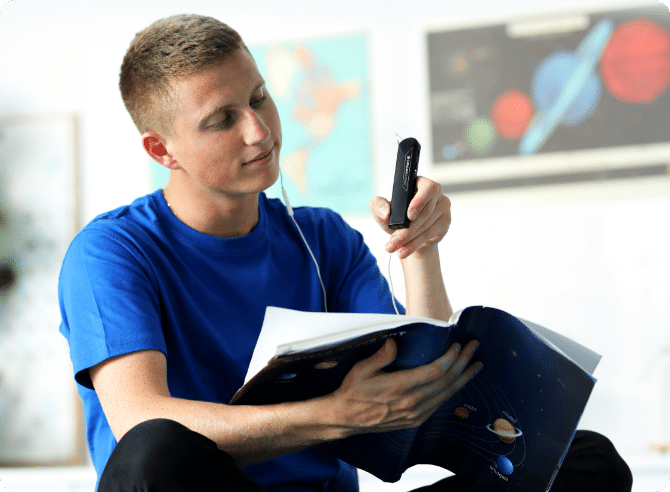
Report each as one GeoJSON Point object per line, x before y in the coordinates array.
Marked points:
{"type": "Point", "coordinates": [162, 441]}
{"type": "Point", "coordinates": [163, 455]}
{"type": "Point", "coordinates": [596, 456]}
{"type": "Point", "coordinates": [154, 452]}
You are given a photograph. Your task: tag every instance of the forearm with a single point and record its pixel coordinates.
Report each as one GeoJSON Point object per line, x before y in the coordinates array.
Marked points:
{"type": "Point", "coordinates": [250, 434]}
{"type": "Point", "coordinates": [416, 246]}
{"type": "Point", "coordinates": [426, 294]}
{"type": "Point", "coordinates": [133, 388]}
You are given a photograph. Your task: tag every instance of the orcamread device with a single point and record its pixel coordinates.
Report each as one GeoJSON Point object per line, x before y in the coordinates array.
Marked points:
{"type": "Point", "coordinates": [404, 182]}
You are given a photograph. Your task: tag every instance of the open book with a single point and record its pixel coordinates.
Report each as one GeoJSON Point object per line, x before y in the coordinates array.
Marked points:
{"type": "Point", "coordinates": [507, 429]}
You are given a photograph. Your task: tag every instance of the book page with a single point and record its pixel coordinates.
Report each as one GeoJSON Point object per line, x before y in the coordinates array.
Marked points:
{"type": "Point", "coordinates": [284, 331]}
{"type": "Point", "coordinates": [585, 358]}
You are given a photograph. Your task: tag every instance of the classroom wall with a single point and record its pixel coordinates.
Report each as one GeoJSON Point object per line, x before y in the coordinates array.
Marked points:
{"type": "Point", "coordinates": [590, 261]}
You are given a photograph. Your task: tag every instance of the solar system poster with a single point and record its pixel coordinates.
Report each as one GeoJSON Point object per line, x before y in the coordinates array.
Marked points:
{"type": "Point", "coordinates": [520, 103]}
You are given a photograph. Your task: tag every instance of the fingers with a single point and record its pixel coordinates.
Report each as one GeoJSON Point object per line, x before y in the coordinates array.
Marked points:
{"type": "Point", "coordinates": [429, 213]}
{"type": "Point", "coordinates": [456, 369]}
{"type": "Point", "coordinates": [428, 387]}
{"type": "Point", "coordinates": [437, 399]}
{"type": "Point", "coordinates": [427, 192]}
{"type": "Point", "coordinates": [377, 361]}
{"type": "Point", "coordinates": [449, 370]}
{"type": "Point", "coordinates": [372, 400]}
{"type": "Point", "coordinates": [428, 228]}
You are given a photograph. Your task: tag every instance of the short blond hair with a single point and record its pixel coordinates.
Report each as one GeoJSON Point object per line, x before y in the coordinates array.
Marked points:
{"type": "Point", "coordinates": [169, 48]}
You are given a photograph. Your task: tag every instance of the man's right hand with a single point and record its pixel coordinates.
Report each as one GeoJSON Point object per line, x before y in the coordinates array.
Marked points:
{"type": "Point", "coordinates": [371, 400]}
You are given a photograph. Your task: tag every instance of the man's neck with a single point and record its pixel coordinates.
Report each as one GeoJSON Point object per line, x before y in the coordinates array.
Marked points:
{"type": "Point", "coordinates": [213, 214]}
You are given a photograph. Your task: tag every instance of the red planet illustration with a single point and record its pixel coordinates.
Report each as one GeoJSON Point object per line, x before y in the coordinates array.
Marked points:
{"type": "Point", "coordinates": [511, 113]}
{"type": "Point", "coordinates": [635, 65]}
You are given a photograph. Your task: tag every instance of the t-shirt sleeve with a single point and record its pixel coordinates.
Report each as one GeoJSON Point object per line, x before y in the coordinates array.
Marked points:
{"type": "Point", "coordinates": [360, 286]}
{"type": "Point", "coordinates": [108, 300]}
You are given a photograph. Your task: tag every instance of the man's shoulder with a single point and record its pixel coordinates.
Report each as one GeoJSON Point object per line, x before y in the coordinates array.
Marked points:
{"type": "Point", "coordinates": [140, 210]}
{"type": "Point", "coordinates": [127, 223]}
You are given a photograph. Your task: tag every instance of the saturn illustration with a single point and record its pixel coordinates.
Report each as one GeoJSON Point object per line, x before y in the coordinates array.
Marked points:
{"type": "Point", "coordinates": [566, 87]}
{"type": "Point", "coordinates": [505, 431]}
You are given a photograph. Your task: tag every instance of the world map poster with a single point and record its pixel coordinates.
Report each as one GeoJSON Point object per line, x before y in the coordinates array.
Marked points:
{"type": "Point", "coordinates": [569, 84]}
{"type": "Point", "coordinates": [321, 89]}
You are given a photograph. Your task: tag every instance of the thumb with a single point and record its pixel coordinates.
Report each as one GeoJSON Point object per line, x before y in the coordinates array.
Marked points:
{"type": "Point", "coordinates": [381, 210]}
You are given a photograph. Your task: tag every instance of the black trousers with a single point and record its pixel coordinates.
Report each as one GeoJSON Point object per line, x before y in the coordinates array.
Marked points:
{"type": "Point", "coordinates": [164, 456]}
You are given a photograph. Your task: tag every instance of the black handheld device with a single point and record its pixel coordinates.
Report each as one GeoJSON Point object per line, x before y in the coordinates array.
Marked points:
{"type": "Point", "coordinates": [404, 182]}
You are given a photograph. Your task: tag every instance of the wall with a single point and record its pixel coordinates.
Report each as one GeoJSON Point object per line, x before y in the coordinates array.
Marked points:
{"type": "Point", "coordinates": [588, 261]}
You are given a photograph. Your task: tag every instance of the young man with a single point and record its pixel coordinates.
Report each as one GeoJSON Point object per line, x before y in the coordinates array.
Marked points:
{"type": "Point", "coordinates": [162, 300]}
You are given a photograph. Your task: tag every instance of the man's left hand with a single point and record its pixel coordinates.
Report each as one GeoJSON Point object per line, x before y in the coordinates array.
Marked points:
{"type": "Point", "coordinates": [429, 213]}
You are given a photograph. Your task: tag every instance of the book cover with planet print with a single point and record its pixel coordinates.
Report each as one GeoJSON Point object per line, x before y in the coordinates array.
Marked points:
{"type": "Point", "coordinates": [507, 429]}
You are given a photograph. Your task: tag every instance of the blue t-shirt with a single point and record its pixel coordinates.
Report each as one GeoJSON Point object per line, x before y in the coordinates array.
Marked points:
{"type": "Point", "coordinates": [138, 278]}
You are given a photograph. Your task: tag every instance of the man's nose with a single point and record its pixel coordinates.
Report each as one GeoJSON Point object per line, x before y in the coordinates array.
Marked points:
{"type": "Point", "coordinates": [255, 129]}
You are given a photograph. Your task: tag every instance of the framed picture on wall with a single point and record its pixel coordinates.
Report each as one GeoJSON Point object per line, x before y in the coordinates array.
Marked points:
{"type": "Point", "coordinates": [573, 97]}
{"type": "Point", "coordinates": [322, 91]}
{"type": "Point", "coordinates": [40, 418]}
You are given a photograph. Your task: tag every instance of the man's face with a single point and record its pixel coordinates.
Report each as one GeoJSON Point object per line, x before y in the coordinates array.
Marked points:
{"type": "Point", "coordinates": [226, 131]}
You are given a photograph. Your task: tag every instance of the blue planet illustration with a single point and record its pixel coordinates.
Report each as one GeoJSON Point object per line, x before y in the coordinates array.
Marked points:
{"type": "Point", "coordinates": [566, 88]}
{"type": "Point", "coordinates": [550, 79]}
{"type": "Point", "coordinates": [504, 465]}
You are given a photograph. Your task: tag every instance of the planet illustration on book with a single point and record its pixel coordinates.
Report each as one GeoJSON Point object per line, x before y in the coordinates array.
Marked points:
{"type": "Point", "coordinates": [566, 88]}
{"type": "Point", "coordinates": [504, 465]}
{"type": "Point", "coordinates": [505, 431]}
{"type": "Point", "coordinates": [327, 364]}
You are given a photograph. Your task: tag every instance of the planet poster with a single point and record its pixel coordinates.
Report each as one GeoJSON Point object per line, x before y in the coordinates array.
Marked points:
{"type": "Point", "coordinates": [510, 96]}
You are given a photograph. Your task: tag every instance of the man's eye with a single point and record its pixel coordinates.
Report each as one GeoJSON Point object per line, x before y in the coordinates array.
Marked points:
{"type": "Point", "coordinates": [225, 121]}
{"type": "Point", "coordinates": [258, 101]}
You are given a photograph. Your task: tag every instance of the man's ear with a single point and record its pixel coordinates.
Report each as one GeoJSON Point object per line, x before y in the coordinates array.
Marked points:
{"type": "Point", "coordinates": [154, 145]}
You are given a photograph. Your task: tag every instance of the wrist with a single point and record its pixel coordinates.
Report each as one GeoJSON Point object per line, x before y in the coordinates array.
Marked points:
{"type": "Point", "coordinates": [331, 421]}
{"type": "Point", "coordinates": [426, 294]}
{"type": "Point", "coordinates": [427, 256]}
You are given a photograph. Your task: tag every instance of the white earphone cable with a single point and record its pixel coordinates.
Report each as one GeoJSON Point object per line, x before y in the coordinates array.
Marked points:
{"type": "Point", "coordinates": [316, 264]}
{"type": "Point", "coordinates": [391, 285]}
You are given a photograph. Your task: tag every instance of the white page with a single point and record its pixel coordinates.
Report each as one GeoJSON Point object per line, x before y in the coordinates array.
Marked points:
{"type": "Point", "coordinates": [283, 330]}
{"type": "Point", "coordinates": [585, 358]}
